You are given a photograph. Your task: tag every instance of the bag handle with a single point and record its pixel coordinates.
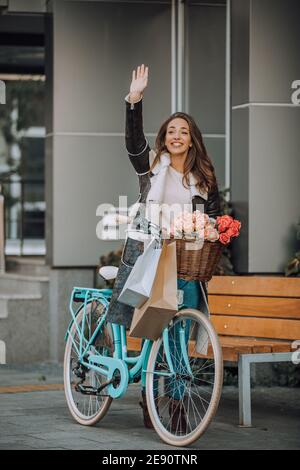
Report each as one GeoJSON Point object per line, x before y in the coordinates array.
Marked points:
{"type": "Point", "coordinates": [154, 239]}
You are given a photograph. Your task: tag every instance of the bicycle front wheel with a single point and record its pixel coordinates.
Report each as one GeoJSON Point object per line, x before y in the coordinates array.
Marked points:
{"type": "Point", "coordinates": [184, 378]}
{"type": "Point", "coordinates": [80, 382]}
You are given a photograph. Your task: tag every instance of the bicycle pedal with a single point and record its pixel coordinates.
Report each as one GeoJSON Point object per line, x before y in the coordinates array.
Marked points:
{"type": "Point", "coordinates": [86, 389]}
{"type": "Point", "coordinates": [99, 389]}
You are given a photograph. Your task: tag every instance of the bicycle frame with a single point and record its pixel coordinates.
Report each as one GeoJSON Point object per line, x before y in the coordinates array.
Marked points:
{"type": "Point", "coordinates": [120, 362]}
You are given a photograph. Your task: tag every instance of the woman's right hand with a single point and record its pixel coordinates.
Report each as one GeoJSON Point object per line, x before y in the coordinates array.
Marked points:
{"type": "Point", "coordinates": [139, 82]}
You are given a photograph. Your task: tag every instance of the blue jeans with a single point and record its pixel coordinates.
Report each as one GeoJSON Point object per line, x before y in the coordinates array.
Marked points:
{"type": "Point", "coordinates": [192, 295]}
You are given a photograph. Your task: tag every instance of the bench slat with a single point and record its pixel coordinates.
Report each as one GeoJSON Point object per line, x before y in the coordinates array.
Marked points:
{"type": "Point", "coordinates": [228, 352]}
{"type": "Point", "coordinates": [133, 344]}
{"type": "Point", "coordinates": [248, 347]}
{"type": "Point", "coordinates": [231, 346]}
{"type": "Point", "coordinates": [257, 327]}
{"type": "Point", "coordinates": [232, 352]}
{"type": "Point", "coordinates": [235, 341]}
{"type": "Point", "coordinates": [269, 286]}
{"type": "Point", "coordinates": [232, 355]}
{"type": "Point", "coordinates": [254, 306]}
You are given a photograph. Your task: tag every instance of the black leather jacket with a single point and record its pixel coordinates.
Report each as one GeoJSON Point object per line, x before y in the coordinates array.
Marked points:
{"type": "Point", "coordinates": [138, 150]}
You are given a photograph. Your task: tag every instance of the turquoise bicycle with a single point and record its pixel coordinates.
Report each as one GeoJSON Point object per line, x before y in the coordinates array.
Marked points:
{"type": "Point", "coordinates": [184, 366]}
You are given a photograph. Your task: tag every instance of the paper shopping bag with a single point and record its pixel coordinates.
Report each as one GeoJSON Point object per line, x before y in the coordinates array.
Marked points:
{"type": "Point", "coordinates": [150, 320]}
{"type": "Point", "coordinates": [138, 286]}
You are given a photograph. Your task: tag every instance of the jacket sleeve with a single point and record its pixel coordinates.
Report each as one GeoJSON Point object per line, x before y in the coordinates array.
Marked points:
{"type": "Point", "coordinates": [213, 205]}
{"type": "Point", "coordinates": [137, 145]}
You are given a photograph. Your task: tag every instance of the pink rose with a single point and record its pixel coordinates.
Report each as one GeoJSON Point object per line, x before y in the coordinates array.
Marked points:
{"type": "Point", "coordinates": [211, 234]}
{"type": "Point", "coordinates": [178, 225]}
{"type": "Point", "coordinates": [201, 221]}
{"type": "Point", "coordinates": [196, 215]}
{"type": "Point", "coordinates": [188, 227]}
{"type": "Point", "coordinates": [234, 229]}
{"type": "Point", "coordinates": [230, 232]}
{"type": "Point", "coordinates": [236, 224]}
{"type": "Point", "coordinates": [224, 238]}
{"type": "Point", "coordinates": [184, 222]}
{"type": "Point", "coordinates": [224, 222]}
{"type": "Point", "coordinates": [200, 218]}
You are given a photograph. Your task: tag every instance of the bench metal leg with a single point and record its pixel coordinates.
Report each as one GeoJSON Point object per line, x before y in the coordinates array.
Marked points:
{"type": "Point", "coordinates": [245, 361]}
{"type": "Point", "coordinates": [244, 391]}
{"type": "Point", "coordinates": [2, 352]}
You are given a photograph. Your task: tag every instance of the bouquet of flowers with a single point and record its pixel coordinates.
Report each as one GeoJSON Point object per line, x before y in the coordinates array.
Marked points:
{"type": "Point", "coordinates": [197, 261]}
{"type": "Point", "coordinates": [199, 226]}
{"type": "Point", "coordinates": [227, 227]}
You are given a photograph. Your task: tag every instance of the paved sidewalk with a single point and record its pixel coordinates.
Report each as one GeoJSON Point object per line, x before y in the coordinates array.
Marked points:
{"type": "Point", "coordinates": [40, 419]}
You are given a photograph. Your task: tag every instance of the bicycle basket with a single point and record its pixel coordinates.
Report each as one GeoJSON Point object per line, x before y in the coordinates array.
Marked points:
{"type": "Point", "coordinates": [197, 260]}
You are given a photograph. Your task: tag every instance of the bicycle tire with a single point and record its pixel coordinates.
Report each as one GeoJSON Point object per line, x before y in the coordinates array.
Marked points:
{"type": "Point", "coordinates": [158, 406]}
{"type": "Point", "coordinates": [78, 415]}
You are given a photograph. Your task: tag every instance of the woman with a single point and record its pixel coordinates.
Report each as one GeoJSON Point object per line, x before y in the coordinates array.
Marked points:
{"type": "Point", "coordinates": [179, 171]}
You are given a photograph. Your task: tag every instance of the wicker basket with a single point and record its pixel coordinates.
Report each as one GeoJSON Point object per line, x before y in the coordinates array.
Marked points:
{"type": "Point", "coordinates": [194, 263]}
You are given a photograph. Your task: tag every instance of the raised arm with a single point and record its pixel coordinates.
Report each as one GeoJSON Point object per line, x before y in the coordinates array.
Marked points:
{"type": "Point", "coordinates": [136, 144]}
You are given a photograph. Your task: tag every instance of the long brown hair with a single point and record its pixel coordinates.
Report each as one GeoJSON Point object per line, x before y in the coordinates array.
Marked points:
{"type": "Point", "coordinates": [197, 161]}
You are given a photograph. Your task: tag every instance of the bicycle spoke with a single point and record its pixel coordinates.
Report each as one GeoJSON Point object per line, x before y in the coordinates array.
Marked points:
{"type": "Point", "coordinates": [86, 406]}
{"type": "Point", "coordinates": [184, 399]}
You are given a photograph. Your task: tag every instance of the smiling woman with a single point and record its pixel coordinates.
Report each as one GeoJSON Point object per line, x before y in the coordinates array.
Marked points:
{"type": "Point", "coordinates": [180, 136]}
{"type": "Point", "coordinates": [178, 142]}
{"type": "Point", "coordinates": [177, 171]}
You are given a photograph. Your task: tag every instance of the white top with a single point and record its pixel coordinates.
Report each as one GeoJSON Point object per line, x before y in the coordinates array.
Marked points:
{"type": "Point", "coordinates": [176, 198]}
{"type": "Point", "coordinates": [174, 189]}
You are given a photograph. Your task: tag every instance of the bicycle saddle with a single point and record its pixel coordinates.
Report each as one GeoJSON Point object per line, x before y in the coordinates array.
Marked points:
{"type": "Point", "coordinates": [108, 272]}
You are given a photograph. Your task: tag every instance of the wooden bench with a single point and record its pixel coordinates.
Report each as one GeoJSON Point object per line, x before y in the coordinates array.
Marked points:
{"type": "Point", "coordinates": [257, 319]}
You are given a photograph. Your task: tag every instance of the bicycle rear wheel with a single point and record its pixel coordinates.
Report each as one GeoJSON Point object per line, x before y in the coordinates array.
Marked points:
{"type": "Point", "coordinates": [87, 409]}
{"type": "Point", "coordinates": [181, 405]}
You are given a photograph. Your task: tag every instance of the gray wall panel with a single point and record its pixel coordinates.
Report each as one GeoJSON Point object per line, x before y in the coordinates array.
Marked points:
{"type": "Point", "coordinates": [49, 71]}
{"type": "Point", "coordinates": [206, 67]}
{"type": "Point", "coordinates": [274, 186]}
{"type": "Point", "coordinates": [240, 11]}
{"type": "Point", "coordinates": [206, 33]}
{"type": "Point", "coordinates": [240, 185]}
{"type": "Point", "coordinates": [95, 178]}
{"type": "Point", "coordinates": [275, 42]}
{"type": "Point", "coordinates": [96, 49]}
{"type": "Point", "coordinates": [216, 150]}
{"type": "Point", "coordinates": [265, 60]}
{"type": "Point", "coordinates": [49, 197]}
